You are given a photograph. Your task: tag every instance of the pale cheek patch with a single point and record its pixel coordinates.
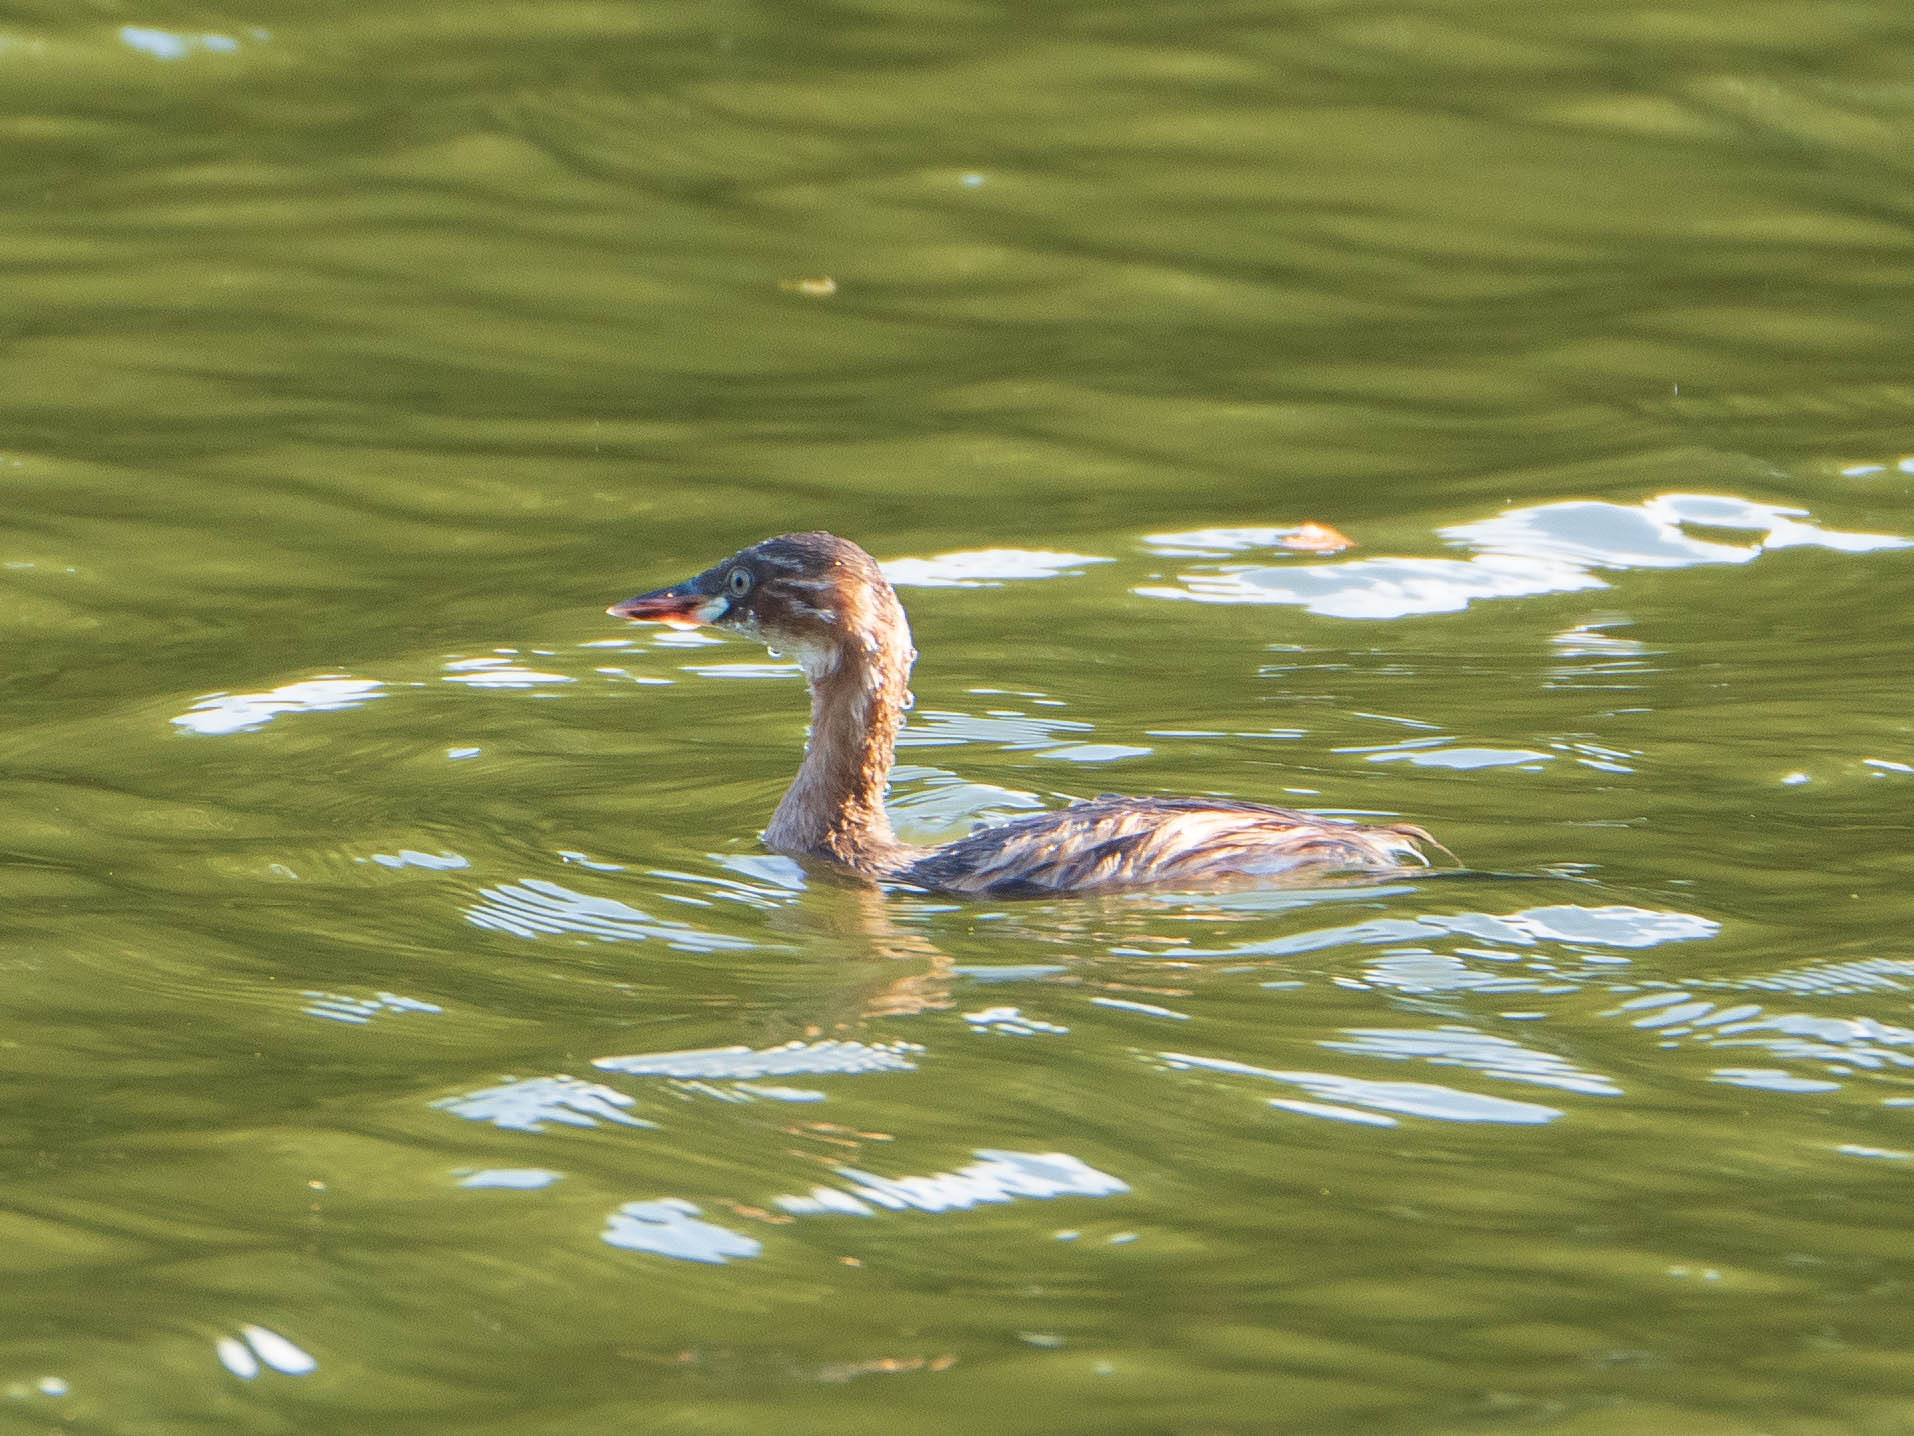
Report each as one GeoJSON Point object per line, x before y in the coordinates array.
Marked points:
{"type": "Point", "coordinates": [816, 659]}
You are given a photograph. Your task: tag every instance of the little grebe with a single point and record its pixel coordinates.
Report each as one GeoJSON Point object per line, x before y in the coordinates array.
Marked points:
{"type": "Point", "coordinates": [823, 600]}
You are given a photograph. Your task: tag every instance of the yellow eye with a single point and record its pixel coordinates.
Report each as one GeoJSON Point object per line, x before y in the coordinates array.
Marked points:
{"type": "Point", "coordinates": [739, 583]}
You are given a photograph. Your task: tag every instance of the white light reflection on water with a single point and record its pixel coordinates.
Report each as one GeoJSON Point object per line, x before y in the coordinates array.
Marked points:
{"type": "Point", "coordinates": [1419, 971]}
{"type": "Point", "coordinates": [1867, 974]}
{"type": "Point", "coordinates": [499, 673]}
{"type": "Point", "coordinates": [511, 1179]}
{"type": "Point", "coordinates": [586, 860]}
{"type": "Point", "coordinates": [361, 1010]}
{"type": "Point", "coordinates": [783, 874]}
{"type": "Point", "coordinates": [939, 803]}
{"type": "Point", "coordinates": [985, 568]}
{"type": "Point", "coordinates": [170, 45]}
{"type": "Point", "coordinates": [1380, 587]}
{"type": "Point", "coordinates": [412, 858]}
{"type": "Point", "coordinates": [777, 1094]}
{"type": "Point", "coordinates": [1414, 1099]}
{"type": "Point", "coordinates": [1097, 752]}
{"type": "Point", "coordinates": [1207, 543]}
{"type": "Point", "coordinates": [1546, 548]}
{"type": "Point", "coordinates": [1011, 1022]}
{"type": "Point", "coordinates": [673, 1227]}
{"type": "Point", "coordinates": [1592, 658]}
{"type": "Point", "coordinates": [1770, 1079]}
{"type": "Point", "coordinates": [1612, 926]}
{"type": "Point", "coordinates": [774, 892]}
{"type": "Point", "coordinates": [537, 907]}
{"type": "Point", "coordinates": [1457, 1046]}
{"type": "Point", "coordinates": [1839, 1043]}
{"type": "Point", "coordinates": [263, 1345]}
{"type": "Point", "coordinates": [685, 638]}
{"type": "Point", "coordinates": [791, 1059]}
{"type": "Point", "coordinates": [525, 1106]}
{"type": "Point", "coordinates": [745, 669]}
{"type": "Point", "coordinates": [219, 713]}
{"type": "Point", "coordinates": [996, 1177]}
{"type": "Point", "coordinates": [236, 1357]}
{"type": "Point", "coordinates": [1333, 1112]}
{"type": "Point", "coordinates": [1144, 1009]}
{"type": "Point", "coordinates": [1013, 731]}
{"type": "Point", "coordinates": [1466, 759]}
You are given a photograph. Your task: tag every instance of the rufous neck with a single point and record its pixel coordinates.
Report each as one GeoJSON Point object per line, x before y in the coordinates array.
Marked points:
{"type": "Point", "coordinates": [835, 806]}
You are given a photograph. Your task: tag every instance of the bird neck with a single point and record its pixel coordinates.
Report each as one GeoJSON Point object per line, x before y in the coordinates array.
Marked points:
{"type": "Point", "coordinates": [835, 806]}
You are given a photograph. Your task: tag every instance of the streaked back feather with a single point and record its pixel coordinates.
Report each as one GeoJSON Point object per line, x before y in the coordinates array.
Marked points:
{"type": "Point", "coordinates": [1112, 842]}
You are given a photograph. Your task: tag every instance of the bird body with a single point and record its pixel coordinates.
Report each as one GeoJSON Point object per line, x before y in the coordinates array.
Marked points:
{"type": "Point", "coordinates": [824, 600]}
{"type": "Point", "coordinates": [1117, 842]}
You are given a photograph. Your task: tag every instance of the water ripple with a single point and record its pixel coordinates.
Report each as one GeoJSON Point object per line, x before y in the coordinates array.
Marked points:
{"type": "Point", "coordinates": [537, 907]}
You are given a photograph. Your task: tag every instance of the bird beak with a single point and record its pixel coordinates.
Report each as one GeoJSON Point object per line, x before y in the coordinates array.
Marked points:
{"type": "Point", "coordinates": [681, 606]}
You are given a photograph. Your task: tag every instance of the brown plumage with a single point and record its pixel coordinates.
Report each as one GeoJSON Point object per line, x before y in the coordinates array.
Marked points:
{"type": "Point", "coordinates": [824, 601]}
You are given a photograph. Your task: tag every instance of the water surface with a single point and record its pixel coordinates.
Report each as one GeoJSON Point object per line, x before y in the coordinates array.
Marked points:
{"type": "Point", "coordinates": [406, 1031]}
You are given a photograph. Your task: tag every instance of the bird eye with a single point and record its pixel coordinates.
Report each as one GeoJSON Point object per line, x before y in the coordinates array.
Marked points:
{"type": "Point", "coordinates": [740, 582]}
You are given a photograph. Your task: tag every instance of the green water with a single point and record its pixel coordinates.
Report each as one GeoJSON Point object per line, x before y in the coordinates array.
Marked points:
{"type": "Point", "coordinates": [352, 358]}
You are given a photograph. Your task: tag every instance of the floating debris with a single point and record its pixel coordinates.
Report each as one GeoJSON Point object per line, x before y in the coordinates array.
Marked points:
{"type": "Point", "coordinates": [1313, 537]}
